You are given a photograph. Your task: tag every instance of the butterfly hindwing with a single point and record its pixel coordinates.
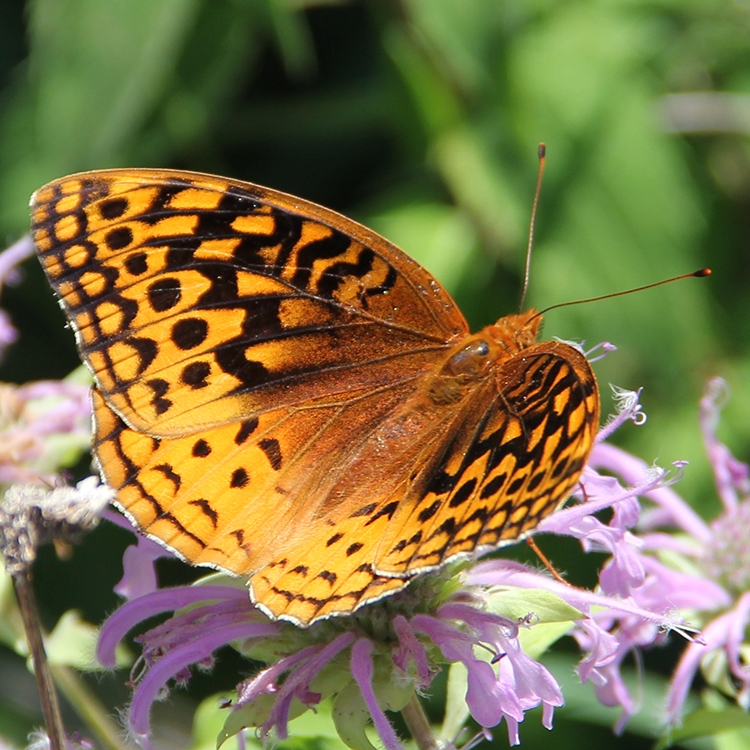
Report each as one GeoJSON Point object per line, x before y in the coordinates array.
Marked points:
{"type": "Point", "coordinates": [515, 458]}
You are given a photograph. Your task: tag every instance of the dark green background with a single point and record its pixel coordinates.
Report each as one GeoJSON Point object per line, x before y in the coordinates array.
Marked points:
{"type": "Point", "coordinates": [421, 118]}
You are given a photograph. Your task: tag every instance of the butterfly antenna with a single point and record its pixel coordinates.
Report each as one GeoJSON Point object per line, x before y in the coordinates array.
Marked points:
{"type": "Point", "coordinates": [699, 274]}
{"type": "Point", "coordinates": [542, 155]}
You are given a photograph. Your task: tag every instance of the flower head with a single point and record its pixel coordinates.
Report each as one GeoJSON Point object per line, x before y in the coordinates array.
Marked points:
{"type": "Point", "coordinates": [368, 663]}
{"type": "Point", "coordinates": [43, 426]}
{"type": "Point", "coordinates": [718, 558]}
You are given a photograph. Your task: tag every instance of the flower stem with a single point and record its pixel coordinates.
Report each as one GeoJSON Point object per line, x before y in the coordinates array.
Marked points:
{"type": "Point", "coordinates": [419, 727]}
{"type": "Point", "coordinates": [47, 692]}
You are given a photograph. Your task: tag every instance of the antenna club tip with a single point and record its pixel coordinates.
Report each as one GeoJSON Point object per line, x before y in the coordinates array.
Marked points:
{"type": "Point", "coordinates": [542, 150]}
{"type": "Point", "coordinates": [702, 273]}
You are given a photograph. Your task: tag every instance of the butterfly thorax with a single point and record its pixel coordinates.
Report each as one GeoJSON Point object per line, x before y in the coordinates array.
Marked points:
{"type": "Point", "coordinates": [475, 357]}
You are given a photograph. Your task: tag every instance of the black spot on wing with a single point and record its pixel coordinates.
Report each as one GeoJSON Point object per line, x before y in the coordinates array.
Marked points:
{"type": "Point", "coordinates": [119, 238]}
{"type": "Point", "coordinates": [159, 387]}
{"type": "Point", "coordinates": [272, 449]}
{"type": "Point", "coordinates": [201, 448]}
{"type": "Point", "coordinates": [240, 478]}
{"type": "Point", "coordinates": [113, 208]}
{"type": "Point", "coordinates": [207, 510]}
{"type": "Point", "coordinates": [516, 485]}
{"type": "Point", "coordinates": [428, 513]}
{"type": "Point", "coordinates": [247, 428]}
{"type": "Point", "coordinates": [164, 294]}
{"type": "Point", "coordinates": [195, 375]}
{"type": "Point", "coordinates": [493, 486]}
{"type": "Point", "coordinates": [463, 493]}
{"type": "Point", "coordinates": [189, 333]}
{"type": "Point", "coordinates": [136, 264]}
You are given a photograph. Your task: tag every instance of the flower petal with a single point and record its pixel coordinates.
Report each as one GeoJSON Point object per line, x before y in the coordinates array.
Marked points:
{"type": "Point", "coordinates": [362, 671]}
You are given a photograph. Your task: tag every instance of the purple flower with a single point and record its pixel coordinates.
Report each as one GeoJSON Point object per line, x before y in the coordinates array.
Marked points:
{"type": "Point", "coordinates": [214, 615]}
{"type": "Point", "coordinates": [10, 259]}
{"type": "Point", "coordinates": [663, 560]}
{"type": "Point", "coordinates": [720, 551]}
{"type": "Point", "coordinates": [43, 426]}
{"type": "Point", "coordinates": [306, 666]}
{"type": "Point", "coordinates": [139, 574]}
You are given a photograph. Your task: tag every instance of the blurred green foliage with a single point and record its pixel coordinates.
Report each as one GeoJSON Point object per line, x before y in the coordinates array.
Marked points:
{"type": "Point", "coordinates": [421, 118]}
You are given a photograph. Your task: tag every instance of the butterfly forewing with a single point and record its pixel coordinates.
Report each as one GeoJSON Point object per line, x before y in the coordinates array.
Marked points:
{"type": "Point", "coordinates": [198, 300]}
{"type": "Point", "coordinates": [283, 394]}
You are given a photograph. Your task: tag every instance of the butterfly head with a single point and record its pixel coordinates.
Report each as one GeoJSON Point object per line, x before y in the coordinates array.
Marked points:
{"type": "Point", "coordinates": [516, 332]}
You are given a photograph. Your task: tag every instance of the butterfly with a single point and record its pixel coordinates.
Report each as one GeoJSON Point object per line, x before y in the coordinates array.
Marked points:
{"type": "Point", "coordinates": [282, 394]}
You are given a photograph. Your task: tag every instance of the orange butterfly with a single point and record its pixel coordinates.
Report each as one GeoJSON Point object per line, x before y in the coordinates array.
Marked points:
{"type": "Point", "coordinates": [282, 394]}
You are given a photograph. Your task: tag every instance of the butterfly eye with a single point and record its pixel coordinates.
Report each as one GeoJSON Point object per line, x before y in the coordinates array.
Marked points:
{"type": "Point", "coordinates": [469, 360]}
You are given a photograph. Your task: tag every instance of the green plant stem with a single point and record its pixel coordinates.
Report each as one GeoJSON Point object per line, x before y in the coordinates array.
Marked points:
{"type": "Point", "coordinates": [419, 727]}
{"type": "Point", "coordinates": [89, 708]}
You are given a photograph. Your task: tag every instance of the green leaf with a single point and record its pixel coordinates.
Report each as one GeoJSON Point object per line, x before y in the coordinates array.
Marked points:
{"type": "Point", "coordinates": [250, 715]}
{"type": "Point", "coordinates": [538, 638]}
{"type": "Point", "coordinates": [551, 616]}
{"type": "Point", "coordinates": [456, 710]}
{"type": "Point", "coordinates": [351, 717]}
{"type": "Point", "coordinates": [517, 603]}
{"type": "Point", "coordinates": [214, 726]}
{"type": "Point", "coordinates": [72, 643]}
{"type": "Point", "coordinates": [708, 723]}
